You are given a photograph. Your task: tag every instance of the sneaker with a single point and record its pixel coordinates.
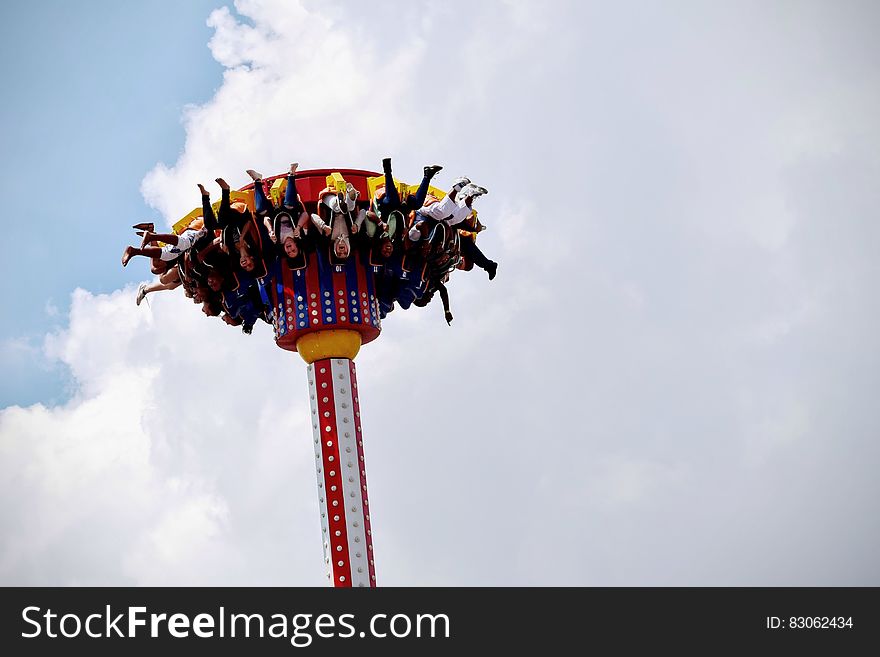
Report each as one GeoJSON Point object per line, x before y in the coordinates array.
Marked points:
{"type": "Point", "coordinates": [492, 269]}
{"type": "Point", "coordinates": [431, 171]}
{"type": "Point", "coordinates": [472, 190]}
{"type": "Point", "coordinates": [142, 293]}
{"type": "Point", "coordinates": [293, 167]}
{"type": "Point", "coordinates": [459, 183]}
{"type": "Point", "coordinates": [255, 175]}
{"type": "Point", "coordinates": [351, 195]}
{"type": "Point", "coordinates": [147, 225]}
{"type": "Point", "coordinates": [386, 165]}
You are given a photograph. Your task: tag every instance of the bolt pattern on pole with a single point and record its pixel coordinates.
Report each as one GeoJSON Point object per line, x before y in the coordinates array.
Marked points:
{"type": "Point", "coordinates": [341, 472]}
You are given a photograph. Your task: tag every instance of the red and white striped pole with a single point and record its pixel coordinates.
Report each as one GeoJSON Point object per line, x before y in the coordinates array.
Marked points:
{"type": "Point", "coordinates": [342, 476]}
{"type": "Point", "coordinates": [325, 310]}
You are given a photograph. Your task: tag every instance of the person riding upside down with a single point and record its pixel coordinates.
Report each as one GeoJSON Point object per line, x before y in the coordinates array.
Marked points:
{"type": "Point", "coordinates": [287, 223]}
{"type": "Point", "coordinates": [341, 218]}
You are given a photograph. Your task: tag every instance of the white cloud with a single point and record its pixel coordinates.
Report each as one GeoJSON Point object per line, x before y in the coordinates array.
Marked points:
{"type": "Point", "coordinates": [682, 338]}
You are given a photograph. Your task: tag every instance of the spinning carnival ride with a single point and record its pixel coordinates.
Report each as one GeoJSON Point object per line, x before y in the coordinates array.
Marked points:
{"type": "Point", "coordinates": [325, 310]}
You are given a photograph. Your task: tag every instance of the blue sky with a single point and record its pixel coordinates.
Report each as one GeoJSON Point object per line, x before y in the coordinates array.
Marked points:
{"type": "Point", "coordinates": [92, 99]}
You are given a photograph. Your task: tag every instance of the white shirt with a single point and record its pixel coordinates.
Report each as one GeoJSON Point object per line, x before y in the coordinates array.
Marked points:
{"type": "Point", "coordinates": [447, 210]}
{"type": "Point", "coordinates": [339, 224]}
{"type": "Point", "coordinates": [285, 229]}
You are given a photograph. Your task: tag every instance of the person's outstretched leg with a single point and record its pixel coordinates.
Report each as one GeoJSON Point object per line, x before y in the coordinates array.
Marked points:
{"type": "Point", "coordinates": [262, 204]}
{"type": "Point", "coordinates": [208, 212]}
{"type": "Point", "coordinates": [422, 192]}
{"type": "Point", "coordinates": [472, 252]}
{"type": "Point", "coordinates": [169, 238]}
{"type": "Point", "coordinates": [225, 203]}
{"type": "Point", "coordinates": [131, 251]}
{"type": "Point", "coordinates": [158, 286]}
{"type": "Point", "coordinates": [291, 198]}
{"type": "Point", "coordinates": [391, 200]}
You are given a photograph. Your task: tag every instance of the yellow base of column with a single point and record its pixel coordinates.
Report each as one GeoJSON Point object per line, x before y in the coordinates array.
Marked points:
{"type": "Point", "coordinates": [332, 343]}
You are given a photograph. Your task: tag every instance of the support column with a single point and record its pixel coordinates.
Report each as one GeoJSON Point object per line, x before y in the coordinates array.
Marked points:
{"type": "Point", "coordinates": [342, 476]}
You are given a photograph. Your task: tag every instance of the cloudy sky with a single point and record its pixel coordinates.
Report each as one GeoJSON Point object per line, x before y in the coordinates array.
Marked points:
{"type": "Point", "coordinates": [671, 381]}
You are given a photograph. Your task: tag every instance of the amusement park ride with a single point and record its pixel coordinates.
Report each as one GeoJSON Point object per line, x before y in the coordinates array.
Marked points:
{"type": "Point", "coordinates": [325, 309]}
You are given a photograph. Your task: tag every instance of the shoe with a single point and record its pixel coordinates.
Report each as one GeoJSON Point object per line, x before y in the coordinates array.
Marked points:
{"type": "Point", "coordinates": [142, 293]}
{"type": "Point", "coordinates": [223, 184]}
{"type": "Point", "coordinates": [255, 175]}
{"type": "Point", "coordinates": [351, 195]}
{"type": "Point", "coordinates": [293, 167]}
{"type": "Point", "coordinates": [386, 165]}
{"type": "Point", "coordinates": [430, 171]}
{"type": "Point", "coordinates": [459, 183]}
{"type": "Point", "coordinates": [472, 190]}
{"type": "Point", "coordinates": [492, 269]}
{"type": "Point", "coordinates": [146, 225]}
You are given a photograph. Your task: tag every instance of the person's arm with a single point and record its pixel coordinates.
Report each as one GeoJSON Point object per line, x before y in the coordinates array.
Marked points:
{"type": "Point", "coordinates": [213, 246]}
{"type": "Point", "coordinates": [444, 297]}
{"type": "Point", "coordinates": [268, 224]}
{"type": "Point", "coordinates": [320, 224]}
{"type": "Point", "coordinates": [249, 228]}
{"type": "Point", "coordinates": [358, 220]}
